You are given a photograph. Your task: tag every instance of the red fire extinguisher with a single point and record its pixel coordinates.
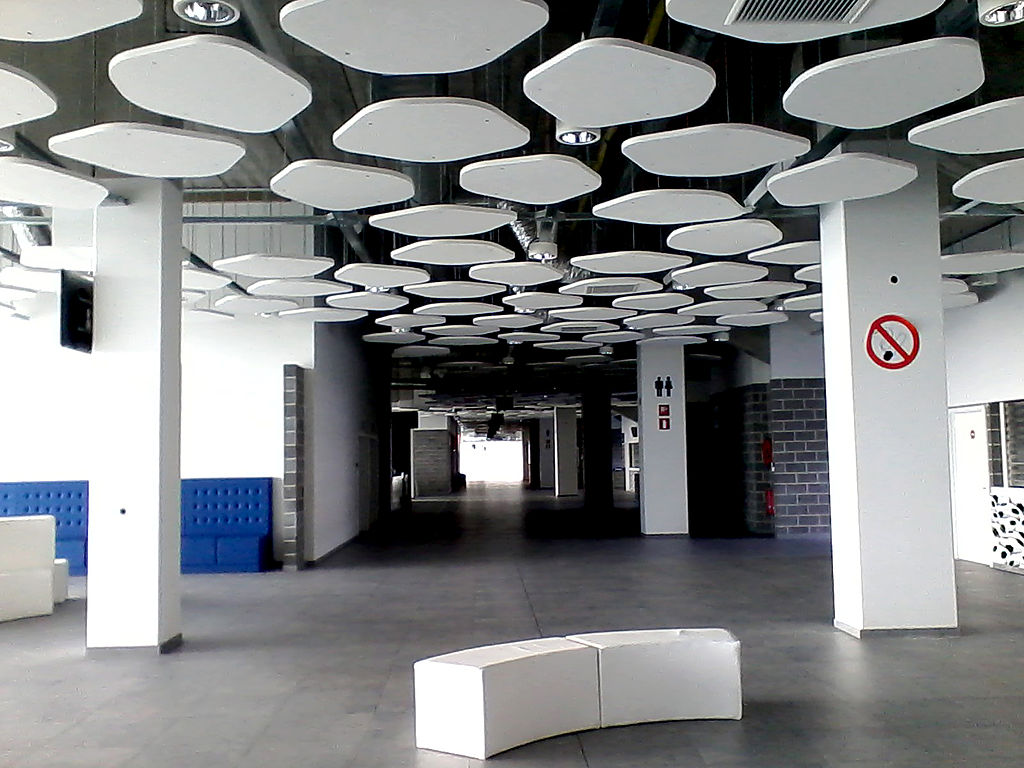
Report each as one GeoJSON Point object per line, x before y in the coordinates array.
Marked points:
{"type": "Point", "coordinates": [769, 503]}
{"type": "Point", "coordinates": [767, 459]}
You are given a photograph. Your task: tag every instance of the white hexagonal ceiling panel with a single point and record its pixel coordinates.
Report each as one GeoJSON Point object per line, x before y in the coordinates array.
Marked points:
{"type": "Point", "coordinates": [793, 23]}
{"type": "Point", "coordinates": [982, 262]}
{"type": "Point", "coordinates": [657, 320]}
{"type": "Point", "coordinates": [997, 183]}
{"type": "Point", "coordinates": [654, 302]}
{"type": "Point", "coordinates": [237, 304]}
{"type": "Point", "coordinates": [810, 302]}
{"type": "Point", "coordinates": [722, 149]}
{"type": "Point", "coordinates": [809, 274]}
{"type": "Point", "coordinates": [591, 313]}
{"type": "Point", "coordinates": [527, 337]}
{"type": "Point", "coordinates": [630, 262]}
{"type": "Point", "coordinates": [607, 81]}
{"type": "Point", "coordinates": [847, 176]}
{"type": "Point", "coordinates": [141, 149]}
{"type": "Point", "coordinates": [25, 98]}
{"type": "Point", "coordinates": [272, 265]}
{"type": "Point", "coordinates": [454, 289]}
{"type": "Point", "coordinates": [613, 337]}
{"type": "Point", "coordinates": [754, 320]}
{"type": "Point", "coordinates": [164, 78]}
{"type": "Point", "coordinates": [539, 300]}
{"type": "Point", "coordinates": [336, 186]}
{"type": "Point", "coordinates": [368, 301]}
{"type": "Point", "coordinates": [393, 337]}
{"type": "Point", "coordinates": [463, 341]}
{"type": "Point", "coordinates": [201, 280]}
{"type": "Point", "coordinates": [761, 289]}
{"type": "Point", "coordinates": [457, 308]}
{"type": "Point", "coordinates": [789, 254]}
{"type": "Point", "coordinates": [382, 275]}
{"type": "Point", "coordinates": [447, 220]}
{"type": "Point", "coordinates": [883, 86]}
{"type": "Point", "coordinates": [525, 274]}
{"type": "Point", "coordinates": [725, 238]}
{"type": "Point", "coordinates": [297, 287]}
{"type": "Point", "coordinates": [453, 253]}
{"type": "Point", "coordinates": [456, 329]}
{"type": "Point", "coordinates": [405, 321]}
{"type": "Point", "coordinates": [671, 206]}
{"type": "Point", "coordinates": [610, 286]}
{"type": "Point", "coordinates": [567, 346]}
{"type": "Point", "coordinates": [717, 273]}
{"type": "Point", "coordinates": [430, 129]}
{"type": "Point", "coordinates": [959, 300]}
{"type": "Point", "coordinates": [413, 351]}
{"type": "Point", "coordinates": [323, 314]}
{"type": "Point", "coordinates": [729, 307]}
{"type": "Point", "coordinates": [47, 21]}
{"type": "Point", "coordinates": [507, 321]}
{"type": "Point", "coordinates": [994, 127]}
{"type": "Point", "coordinates": [533, 179]}
{"type": "Point", "coordinates": [410, 37]}
{"type": "Point", "coordinates": [37, 183]}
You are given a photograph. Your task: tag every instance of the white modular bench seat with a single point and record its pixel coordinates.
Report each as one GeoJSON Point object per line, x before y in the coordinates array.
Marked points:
{"type": "Point", "coordinates": [61, 570]}
{"type": "Point", "coordinates": [26, 566]}
{"type": "Point", "coordinates": [482, 701]}
{"type": "Point", "coordinates": [667, 674]}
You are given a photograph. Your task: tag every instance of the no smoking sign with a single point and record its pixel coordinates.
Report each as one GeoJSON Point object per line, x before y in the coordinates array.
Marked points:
{"type": "Point", "coordinates": [893, 342]}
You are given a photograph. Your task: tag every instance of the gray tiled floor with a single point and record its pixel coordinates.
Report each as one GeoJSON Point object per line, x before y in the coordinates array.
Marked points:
{"type": "Point", "coordinates": [314, 669]}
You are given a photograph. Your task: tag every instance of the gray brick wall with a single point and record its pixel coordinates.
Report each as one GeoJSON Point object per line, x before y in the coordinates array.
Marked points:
{"type": "Point", "coordinates": [431, 462]}
{"type": "Point", "coordinates": [293, 492]}
{"type": "Point", "coordinates": [800, 471]}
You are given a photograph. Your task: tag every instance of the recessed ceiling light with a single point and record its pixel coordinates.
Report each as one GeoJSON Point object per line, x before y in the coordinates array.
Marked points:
{"type": "Point", "coordinates": [574, 135]}
{"type": "Point", "coordinates": [208, 13]}
{"type": "Point", "coordinates": [998, 13]}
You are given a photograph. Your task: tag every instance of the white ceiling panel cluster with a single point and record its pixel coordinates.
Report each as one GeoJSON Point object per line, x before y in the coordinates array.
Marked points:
{"type": "Point", "coordinates": [430, 129]}
{"type": "Point", "coordinates": [237, 304]}
{"type": "Point", "coordinates": [336, 186]}
{"type": "Point", "coordinates": [518, 321]}
{"type": "Point", "coordinates": [527, 337]}
{"type": "Point", "coordinates": [846, 176]}
{"type": "Point", "coordinates": [671, 206]}
{"type": "Point", "coordinates": [533, 179]}
{"type": "Point", "coordinates": [630, 262]}
{"type": "Point", "coordinates": [141, 149]}
{"type": "Point", "coordinates": [405, 321]}
{"type": "Point", "coordinates": [688, 330]}
{"type": "Point", "coordinates": [525, 274]}
{"type": "Point", "coordinates": [24, 97]}
{"type": "Point", "coordinates": [724, 307]}
{"type": "Point", "coordinates": [613, 337]}
{"type": "Point", "coordinates": [323, 315]}
{"type": "Point", "coordinates": [457, 308]}
{"type": "Point", "coordinates": [809, 274]}
{"type": "Point", "coordinates": [787, 23]}
{"type": "Point", "coordinates": [411, 37]}
{"type": "Point", "coordinates": [883, 86]}
{"type": "Point", "coordinates": [657, 320]}
{"type": "Point", "coordinates": [607, 81]}
{"type": "Point", "coordinates": [165, 77]}
{"type": "Point", "coordinates": [755, 319]}
{"type": "Point", "coordinates": [47, 21]}
{"type": "Point", "coordinates": [579, 327]}
{"type": "Point", "coordinates": [723, 149]}
{"type": "Point", "coordinates": [789, 254]}
{"type": "Point", "coordinates": [607, 314]}
{"type": "Point", "coordinates": [725, 238]}
{"type": "Point", "coordinates": [567, 346]}
{"type": "Point", "coordinates": [447, 220]}
{"type": "Point", "coordinates": [982, 262]}
{"type": "Point", "coordinates": [997, 183]}
{"type": "Point", "coordinates": [456, 329]}
{"type": "Point", "coordinates": [463, 341]}
{"type": "Point", "coordinates": [393, 337]}
{"type": "Point", "coordinates": [453, 253]}
{"type": "Point", "coordinates": [36, 183]}
{"type": "Point", "coordinates": [272, 265]}
{"type": "Point", "coordinates": [717, 273]}
{"type": "Point", "coordinates": [994, 127]}
{"type": "Point", "coordinates": [809, 303]}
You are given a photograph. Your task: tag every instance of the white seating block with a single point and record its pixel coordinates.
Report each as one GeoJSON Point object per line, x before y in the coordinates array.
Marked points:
{"type": "Point", "coordinates": [667, 674]}
{"type": "Point", "coordinates": [481, 701]}
{"type": "Point", "coordinates": [26, 566]}
{"type": "Point", "coordinates": [60, 580]}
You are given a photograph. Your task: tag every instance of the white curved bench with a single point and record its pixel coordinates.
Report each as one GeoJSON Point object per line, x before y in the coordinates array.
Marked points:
{"type": "Point", "coordinates": [26, 566]}
{"type": "Point", "coordinates": [667, 674]}
{"type": "Point", "coordinates": [482, 701]}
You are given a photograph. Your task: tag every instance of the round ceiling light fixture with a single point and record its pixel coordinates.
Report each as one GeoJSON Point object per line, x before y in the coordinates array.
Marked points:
{"type": "Point", "coordinates": [575, 136]}
{"type": "Point", "coordinates": [207, 13]}
{"type": "Point", "coordinates": [999, 13]}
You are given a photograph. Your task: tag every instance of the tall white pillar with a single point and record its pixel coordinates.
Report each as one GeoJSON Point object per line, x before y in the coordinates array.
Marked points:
{"type": "Point", "coordinates": [135, 485]}
{"type": "Point", "coordinates": [547, 452]}
{"type": "Point", "coordinates": [567, 459]}
{"type": "Point", "coordinates": [887, 428]}
{"type": "Point", "coordinates": [661, 386]}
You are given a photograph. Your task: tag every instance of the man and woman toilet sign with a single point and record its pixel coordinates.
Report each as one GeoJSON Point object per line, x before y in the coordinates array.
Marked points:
{"type": "Point", "coordinates": [893, 342]}
{"type": "Point", "coordinates": [663, 388]}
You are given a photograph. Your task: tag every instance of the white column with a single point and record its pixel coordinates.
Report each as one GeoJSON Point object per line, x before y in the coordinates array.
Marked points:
{"type": "Point", "coordinates": [887, 429]}
{"type": "Point", "coordinates": [566, 452]}
{"type": "Point", "coordinates": [661, 386]}
{"type": "Point", "coordinates": [135, 484]}
{"type": "Point", "coordinates": [547, 452]}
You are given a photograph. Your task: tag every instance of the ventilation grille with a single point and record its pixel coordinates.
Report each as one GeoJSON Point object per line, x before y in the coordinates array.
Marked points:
{"type": "Point", "coordinates": [608, 289]}
{"type": "Point", "coordinates": [796, 11]}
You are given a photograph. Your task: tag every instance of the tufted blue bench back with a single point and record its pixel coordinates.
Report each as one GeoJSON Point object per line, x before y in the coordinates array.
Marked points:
{"type": "Point", "coordinates": [225, 522]}
{"type": "Point", "coordinates": [68, 502]}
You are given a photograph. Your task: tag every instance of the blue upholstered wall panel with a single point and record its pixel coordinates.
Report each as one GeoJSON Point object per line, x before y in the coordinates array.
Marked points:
{"type": "Point", "coordinates": [225, 522]}
{"type": "Point", "coordinates": [68, 502]}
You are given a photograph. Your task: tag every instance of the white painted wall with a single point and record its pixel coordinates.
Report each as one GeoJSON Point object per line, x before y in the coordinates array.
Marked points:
{"type": "Point", "coordinates": [338, 413]}
{"type": "Point", "coordinates": [797, 348]}
{"type": "Point", "coordinates": [983, 342]}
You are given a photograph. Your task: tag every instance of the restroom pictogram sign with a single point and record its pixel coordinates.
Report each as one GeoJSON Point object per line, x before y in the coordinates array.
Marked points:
{"type": "Point", "coordinates": [893, 342]}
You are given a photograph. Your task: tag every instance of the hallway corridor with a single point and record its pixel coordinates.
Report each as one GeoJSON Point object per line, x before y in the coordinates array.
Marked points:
{"type": "Point", "coordinates": [313, 669]}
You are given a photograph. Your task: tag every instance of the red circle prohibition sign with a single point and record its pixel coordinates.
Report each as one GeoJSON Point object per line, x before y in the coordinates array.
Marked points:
{"type": "Point", "coordinates": [893, 342]}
